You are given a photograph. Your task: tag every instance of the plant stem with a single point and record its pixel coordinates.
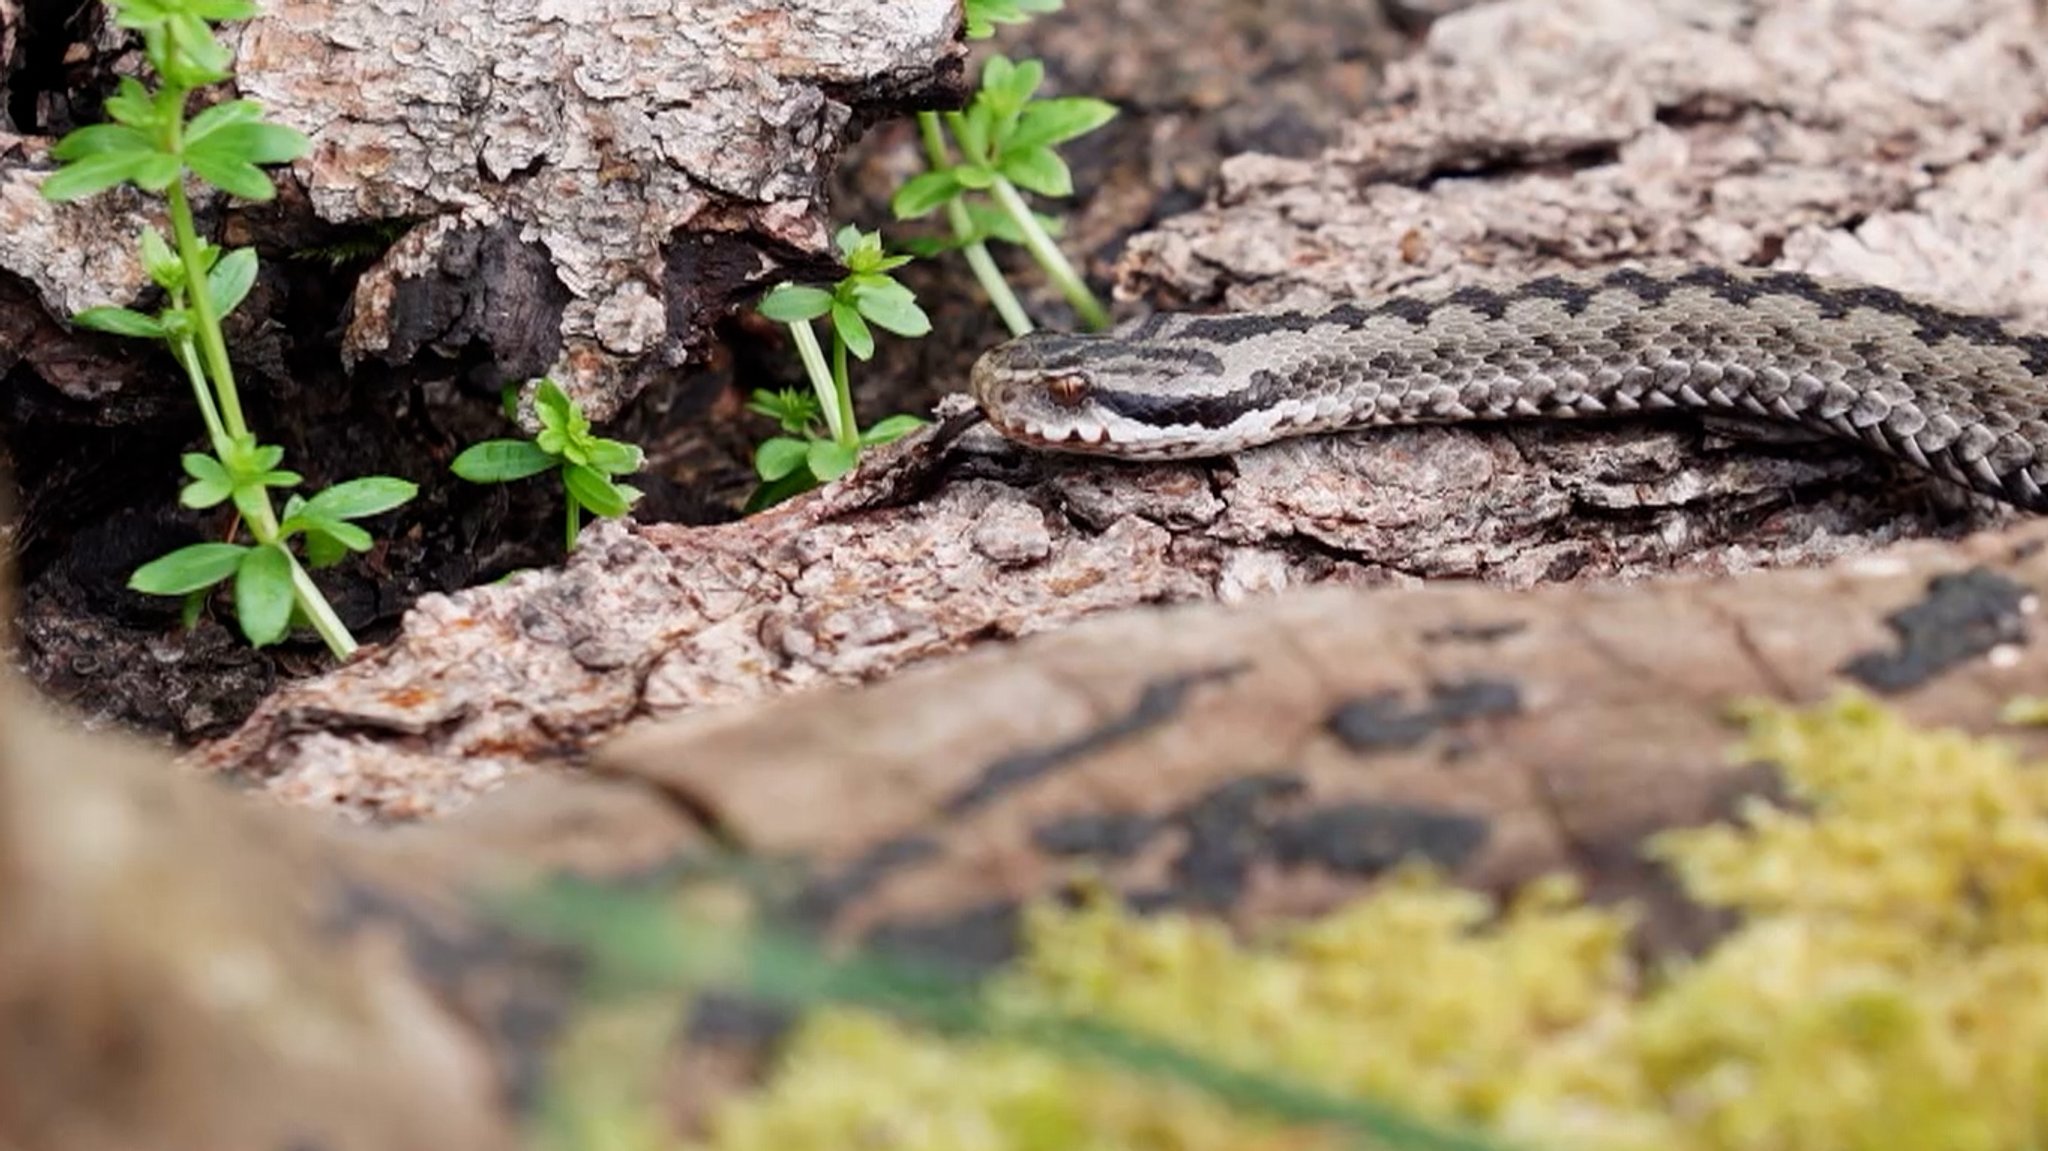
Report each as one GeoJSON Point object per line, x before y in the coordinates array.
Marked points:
{"type": "Point", "coordinates": [848, 432]}
{"type": "Point", "coordinates": [978, 258]}
{"type": "Point", "coordinates": [991, 277]}
{"type": "Point", "coordinates": [228, 420]}
{"type": "Point", "coordinates": [318, 613]}
{"type": "Point", "coordinates": [575, 521]}
{"type": "Point", "coordinates": [200, 301]}
{"type": "Point", "coordinates": [813, 356]}
{"type": "Point", "coordinates": [188, 356]}
{"type": "Point", "coordinates": [1049, 256]}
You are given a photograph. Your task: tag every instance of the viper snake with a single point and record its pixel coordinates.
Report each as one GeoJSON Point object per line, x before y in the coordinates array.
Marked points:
{"type": "Point", "coordinates": [1963, 396]}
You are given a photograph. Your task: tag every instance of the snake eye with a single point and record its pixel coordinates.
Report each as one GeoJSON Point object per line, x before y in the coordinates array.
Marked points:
{"type": "Point", "coordinates": [1067, 391]}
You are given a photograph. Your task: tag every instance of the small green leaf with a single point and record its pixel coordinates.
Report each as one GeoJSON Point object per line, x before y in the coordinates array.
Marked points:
{"type": "Point", "coordinates": [222, 11]}
{"type": "Point", "coordinates": [847, 322]}
{"type": "Point", "coordinates": [155, 171]}
{"type": "Point", "coordinates": [323, 551]}
{"type": "Point", "coordinates": [142, 13]}
{"type": "Point", "coordinates": [162, 264]}
{"type": "Point", "coordinates": [210, 484]}
{"type": "Point", "coordinates": [501, 461]}
{"type": "Point", "coordinates": [195, 58]}
{"type": "Point", "coordinates": [793, 409]}
{"type": "Point", "coordinates": [829, 459]}
{"type": "Point", "coordinates": [592, 490]}
{"type": "Point", "coordinates": [1046, 123]}
{"type": "Point", "coordinates": [201, 466]}
{"type": "Point", "coordinates": [103, 140]}
{"type": "Point", "coordinates": [263, 595]}
{"type": "Point", "coordinates": [189, 569]}
{"type": "Point", "coordinates": [890, 429]}
{"type": "Point", "coordinates": [997, 74]}
{"type": "Point", "coordinates": [368, 496]}
{"type": "Point", "coordinates": [551, 404]}
{"type": "Point", "coordinates": [974, 177]}
{"type": "Point", "coordinates": [984, 15]}
{"type": "Point", "coordinates": [924, 193]}
{"type": "Point", "coordinates": [254, 458]}
{"type": "Point", "coordinates": [257, 142]}
{"type": "Point", "coordinates": [131, 105]}
{"type": "Point", "coordinates": [614, 458]}
{"type": "Point", "coordinates": [229, 281]}
{"type": "Point", "coordinates": [1039, 170]}
{"type": "Point", "coordinates": [895, 311]}
{"type": "Point", "coordinates": [220, 116]}
{"type": "Point", "coordinates": [202, 494]}
{"type": "Point", "coordinates": [120, 322]}
{"type": "Point", "coordinates": [567, 428]}
{"type": "Point", "coordinates": [235, 177]}
{"type": "Point", "coordinates": [349, 536]}
{"type": "Point", "coordinates": [778, 456]}
{"type": "Point", "coordinates": [96, 173]}
{"type": "Point", "coordinates": [793, 304]}
{"type": "Point", "coordinates": [972, 129]}
{"type": "Point", "coordinates": [850, 241]}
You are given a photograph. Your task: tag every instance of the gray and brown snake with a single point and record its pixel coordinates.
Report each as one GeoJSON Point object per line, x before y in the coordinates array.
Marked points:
{"type": "Point", "coordinates": [1963, 396]}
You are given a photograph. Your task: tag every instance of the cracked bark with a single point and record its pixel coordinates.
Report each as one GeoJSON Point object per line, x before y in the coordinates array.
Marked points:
{"type": "Point", "coordinates": [657, 619]}
{"type": "Point", "coordinates": [588, 149]}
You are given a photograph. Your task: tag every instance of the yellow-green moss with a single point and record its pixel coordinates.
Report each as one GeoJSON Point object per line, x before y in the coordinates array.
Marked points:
{"type": "Point", "coordinates": [1888, 988]}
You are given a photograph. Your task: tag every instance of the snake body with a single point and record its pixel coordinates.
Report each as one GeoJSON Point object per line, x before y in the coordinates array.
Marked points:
{"type": "Point", "coordinates": [1963, 396]}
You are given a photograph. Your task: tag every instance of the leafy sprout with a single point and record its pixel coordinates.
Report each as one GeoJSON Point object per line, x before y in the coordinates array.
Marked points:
{"type": "Point", "coordinates": [150, 143]}
{"type": "Point", "coordinates": [586, 463]}
{"type": "Point", "coordinates": [1008, 140]}
{"type": "Point", "coordinates": [821, 440]}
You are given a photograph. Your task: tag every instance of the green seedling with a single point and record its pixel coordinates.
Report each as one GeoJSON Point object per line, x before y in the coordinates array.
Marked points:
{"type": "Point", "coordinates": [805, 454]}
{"type": "Point", "coordinates": [586, 463]}
{"type": "Point", "coordinates": [1008, 140]}
{"type": "Point", "coordinates": [821, 440]}
{"type": "Point", "coordinates": [152, 145]}
{"type": "Point", "coordinates": [984, 15]}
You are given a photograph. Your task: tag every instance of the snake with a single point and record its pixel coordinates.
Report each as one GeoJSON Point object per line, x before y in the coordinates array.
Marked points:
{"type": "Point", "coordinates": [1958, 394]}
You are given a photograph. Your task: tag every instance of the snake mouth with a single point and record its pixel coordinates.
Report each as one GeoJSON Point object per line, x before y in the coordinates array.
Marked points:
{"type": "Point", "coordinates": [1098, 440]}
{"type": "Point", "coordinates": [1074, 439]}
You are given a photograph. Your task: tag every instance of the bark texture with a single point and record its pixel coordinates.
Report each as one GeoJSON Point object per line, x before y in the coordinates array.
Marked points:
{"type": "Point", "coordinates": [1256, 761]}
{"type": "Point", "coordinates": [576, 188]}
{"type": "Point", "coordinates": [1899, 149]}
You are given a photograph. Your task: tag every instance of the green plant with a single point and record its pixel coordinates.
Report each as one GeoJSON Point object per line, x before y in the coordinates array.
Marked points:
{"type": "Point", "coordinates": [154, 146]}
{"type": "Point", "coordinates": [805, 454]}
{"type": "Point", "coordinates": [585, 462]}
{"type": "Point", "coordinates": [821, 440]}
{"type": "Point", "coordinates": [1007, 138]}
{"type": "Point", "coordinates": [984, 15]}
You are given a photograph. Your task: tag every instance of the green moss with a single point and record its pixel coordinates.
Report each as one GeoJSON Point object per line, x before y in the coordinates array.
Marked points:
{"type": "Point", "coordinates": [1888, 987]}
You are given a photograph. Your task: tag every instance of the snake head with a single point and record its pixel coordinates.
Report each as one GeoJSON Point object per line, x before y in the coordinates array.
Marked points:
{"type": "Point", "coordinates": [1106, 395]}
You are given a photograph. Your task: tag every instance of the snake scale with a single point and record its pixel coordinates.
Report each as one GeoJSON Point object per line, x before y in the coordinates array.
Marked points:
{"type": "Point", "coordinates": [1963, 396]}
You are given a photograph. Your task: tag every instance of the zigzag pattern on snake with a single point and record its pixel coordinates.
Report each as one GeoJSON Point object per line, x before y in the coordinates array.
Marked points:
{"type": "Point", "coordinates": [1963, 396]}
